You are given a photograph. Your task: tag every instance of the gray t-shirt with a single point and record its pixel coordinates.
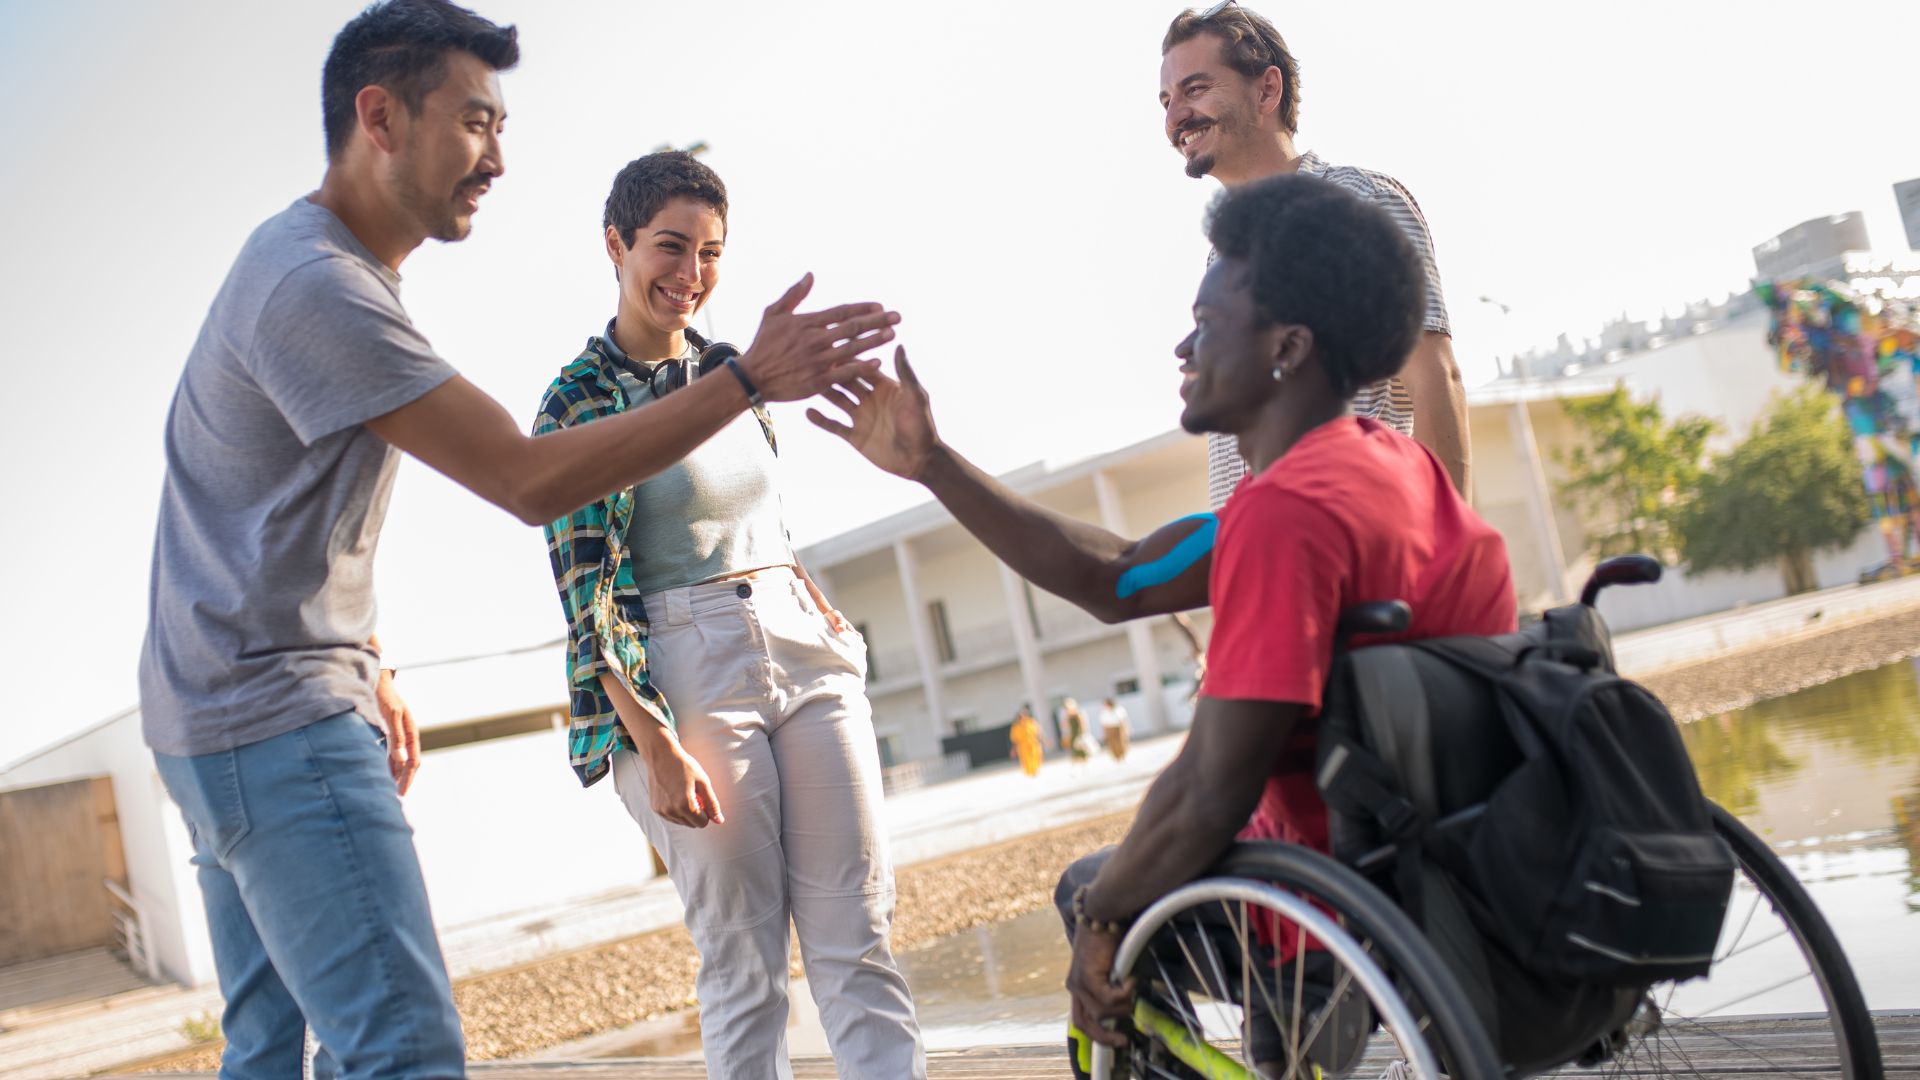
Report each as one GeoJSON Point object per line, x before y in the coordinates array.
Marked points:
{"type": "Point", "coordinates": [261, 603]}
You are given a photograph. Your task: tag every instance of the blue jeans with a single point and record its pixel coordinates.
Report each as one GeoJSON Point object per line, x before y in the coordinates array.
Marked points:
{"type": "Point", "coordinates": [316, 906]}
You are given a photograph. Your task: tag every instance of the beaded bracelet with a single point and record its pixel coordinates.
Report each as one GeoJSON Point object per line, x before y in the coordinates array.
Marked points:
{"type": "Point", "coordinates": [1083, 921]}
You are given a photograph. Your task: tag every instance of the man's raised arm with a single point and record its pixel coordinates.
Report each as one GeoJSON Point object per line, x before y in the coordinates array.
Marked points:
{"type": "Point", "coordinates": [460, 431]}
{"type": "Point", "coordinates": [891, 424]}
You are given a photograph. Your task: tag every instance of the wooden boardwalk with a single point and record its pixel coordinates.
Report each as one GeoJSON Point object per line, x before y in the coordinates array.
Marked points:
{"type": "Point", "coordinates": [1788, 1047]}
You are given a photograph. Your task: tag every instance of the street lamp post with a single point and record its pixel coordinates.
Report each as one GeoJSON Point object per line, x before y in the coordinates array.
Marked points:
{"type": "Point", "coordinates": [1546, 530]}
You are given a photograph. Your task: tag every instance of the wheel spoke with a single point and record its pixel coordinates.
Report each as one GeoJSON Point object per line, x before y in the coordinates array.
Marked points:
{"type": "Point", "coordinates": [1196, 1040]}
{"type": "Point", "coordinates": [1182, 1005]}
{"type": "Point", "coordinates": [1722, 1007]}
{"type": "Point", "coordinates": [1246, 987]}
{"type": "Point", "coordinates": [1722, 1036]}
{"type": "Point", "coordinates": [1751, 945]}
{"type": "Point", "coordinates": [1752, 910]}
{"type": "Point", "coordinates": [1299, 992]}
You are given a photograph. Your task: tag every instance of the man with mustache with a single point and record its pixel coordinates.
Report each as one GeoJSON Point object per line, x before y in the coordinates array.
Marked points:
{"type": "Point", "coordinates": [263, 696]}
{"type": "Point", "coordinates": [1231, 91]}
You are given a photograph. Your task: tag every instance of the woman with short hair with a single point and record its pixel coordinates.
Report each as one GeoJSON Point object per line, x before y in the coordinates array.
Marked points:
{"type": "Point", "coordinates": [712, 679]}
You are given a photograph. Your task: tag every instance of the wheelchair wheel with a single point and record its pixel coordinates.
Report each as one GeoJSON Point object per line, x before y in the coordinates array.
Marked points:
{"type": "Point", "coordinates": [1778, 964]}
{"type": "Point", "coordinates": [1216, 1002]}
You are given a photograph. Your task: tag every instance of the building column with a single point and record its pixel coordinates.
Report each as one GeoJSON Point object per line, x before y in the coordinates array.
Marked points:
{"type": "Point", "coordinates": [909, 570]}
{"type": "Point", "coordinates": [1146, 662]}
{"type": "Point", "coordinates": [1546, 530]}
{"type": "Point", "coordinates": [1025, 645]}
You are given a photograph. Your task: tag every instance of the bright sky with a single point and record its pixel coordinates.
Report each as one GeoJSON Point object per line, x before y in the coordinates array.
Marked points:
{"type": "Point", "coordinates": [994, 171]}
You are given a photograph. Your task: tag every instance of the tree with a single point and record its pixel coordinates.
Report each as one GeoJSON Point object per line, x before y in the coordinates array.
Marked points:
{"type": "Point", "coordinates": [1632, 471]}
{"type": "Point", "coordinates": [1791, 489]}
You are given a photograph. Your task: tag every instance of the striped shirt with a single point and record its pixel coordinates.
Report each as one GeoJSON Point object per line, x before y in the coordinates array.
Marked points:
{"type": "Point", "coordinates": [1387, 401]}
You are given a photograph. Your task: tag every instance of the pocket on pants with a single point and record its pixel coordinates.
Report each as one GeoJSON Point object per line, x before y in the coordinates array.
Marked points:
{"type": "Point", "coordinates": [207, 789]}
{"type": "Point", "coordinates": [849, 646]}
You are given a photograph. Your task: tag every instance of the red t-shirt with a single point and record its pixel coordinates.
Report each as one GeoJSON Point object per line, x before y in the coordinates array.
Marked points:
{"type": "Point", "coordinates": [1354, 512]}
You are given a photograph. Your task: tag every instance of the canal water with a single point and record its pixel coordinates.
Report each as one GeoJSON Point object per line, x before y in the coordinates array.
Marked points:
{"type": "Point", "coordinates": [1829, 776]}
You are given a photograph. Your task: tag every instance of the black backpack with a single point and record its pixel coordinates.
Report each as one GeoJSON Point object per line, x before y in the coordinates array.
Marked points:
{"type": "Point", "coordinates": [1536, 814]}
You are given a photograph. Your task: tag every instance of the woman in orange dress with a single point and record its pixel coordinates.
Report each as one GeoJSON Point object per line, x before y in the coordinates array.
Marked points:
{"type": "Point", "coordinates": [1025, 736]}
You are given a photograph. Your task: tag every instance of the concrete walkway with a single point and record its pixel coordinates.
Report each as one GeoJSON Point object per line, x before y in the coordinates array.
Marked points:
{"type": "Point", "coordinates": [1691, 641]}
{"type": "Point", "coordinates": [982, 808]}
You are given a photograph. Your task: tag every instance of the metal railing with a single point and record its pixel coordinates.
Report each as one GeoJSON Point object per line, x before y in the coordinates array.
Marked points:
{"type": "Point", "coordinates": [130, 930]}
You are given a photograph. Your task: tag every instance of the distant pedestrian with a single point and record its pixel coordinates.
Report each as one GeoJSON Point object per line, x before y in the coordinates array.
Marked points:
{"type": "Point", "coordinates": [1075, 733]}
{"type": "Point", "coordinates": [1027, 743]}
{"type": "Point", "coordinates": [1113, 728]}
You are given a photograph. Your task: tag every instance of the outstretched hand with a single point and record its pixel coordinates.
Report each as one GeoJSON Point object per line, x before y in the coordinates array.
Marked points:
{"type": "Point", "coordinates": [890, 422]}
{"type": "Point", "coordinates": [796, 354]}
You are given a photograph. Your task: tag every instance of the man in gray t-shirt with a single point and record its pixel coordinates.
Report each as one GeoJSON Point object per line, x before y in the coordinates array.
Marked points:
{"type": "Point", "coordinates": [261, 693]}
{"type": "Point", "coordinates": [262, 587]}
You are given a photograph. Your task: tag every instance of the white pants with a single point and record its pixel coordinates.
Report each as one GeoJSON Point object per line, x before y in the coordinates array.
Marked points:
{"type": "Point", "coordinates": [772, 704]}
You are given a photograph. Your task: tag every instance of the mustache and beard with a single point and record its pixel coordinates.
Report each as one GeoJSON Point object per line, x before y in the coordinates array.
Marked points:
{"type": "Point", "coordinates": [442, 218]}
{"type": "Point", "coordinates": [1226, 126]}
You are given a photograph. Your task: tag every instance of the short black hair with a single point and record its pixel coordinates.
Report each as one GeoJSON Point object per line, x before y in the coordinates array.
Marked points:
{"type": "Point", "coordinates": [647, 183]}
{"type": "Point", "coordinates": [1322, 258]}
{"type": "Point", "coordinates": [403, 45]}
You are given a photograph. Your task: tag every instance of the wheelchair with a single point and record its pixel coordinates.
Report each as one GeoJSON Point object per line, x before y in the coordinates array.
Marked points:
{"type": "Point", "coordinates": [1282, 962]}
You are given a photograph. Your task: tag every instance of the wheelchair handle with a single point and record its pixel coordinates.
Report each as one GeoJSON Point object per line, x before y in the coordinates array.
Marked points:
{"type": "Point", "coordinates": [1620, 570]}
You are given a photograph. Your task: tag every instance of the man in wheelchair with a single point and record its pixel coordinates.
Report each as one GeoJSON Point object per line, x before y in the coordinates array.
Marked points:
{"type": "Point", "coordinates": [1313, 296]}
{"type": "Point", "coordinates": [1559, 867]}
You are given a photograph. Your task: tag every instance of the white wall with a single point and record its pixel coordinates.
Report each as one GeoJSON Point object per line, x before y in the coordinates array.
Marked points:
{"type": "Point", "coordinates": [1729, 374]}
{"type": "Point", "coordinates": [1679, 595]}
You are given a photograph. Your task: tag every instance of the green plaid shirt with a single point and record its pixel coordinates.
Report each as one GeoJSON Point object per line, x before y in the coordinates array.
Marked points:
{"type": "Point", "coordinates": [606, 622]}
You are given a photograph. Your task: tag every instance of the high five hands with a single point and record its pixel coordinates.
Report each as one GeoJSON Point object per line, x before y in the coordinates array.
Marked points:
{"type": "Point", "coordinates": [796, 354]}
{"type": "Point", "coordinates": [889, 422]}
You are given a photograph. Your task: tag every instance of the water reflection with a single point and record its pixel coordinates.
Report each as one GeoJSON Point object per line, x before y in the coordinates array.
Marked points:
{"type": "Point", "coordinates": [1000, 984]}
{"type": "Point", "coordinates": [1835, 766]}
{"type": "Point", "coordinates": [1830, 776]}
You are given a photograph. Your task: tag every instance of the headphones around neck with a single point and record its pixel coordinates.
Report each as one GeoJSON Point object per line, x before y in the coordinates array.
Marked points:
{"type": "Point", "coordinates": [670, 375]}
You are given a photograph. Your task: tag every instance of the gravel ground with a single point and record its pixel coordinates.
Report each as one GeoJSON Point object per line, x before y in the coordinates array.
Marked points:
{"type": "Point", "coordinates": [523, 1010]}
{"type": "Point", "coordinates": [1720, 685]}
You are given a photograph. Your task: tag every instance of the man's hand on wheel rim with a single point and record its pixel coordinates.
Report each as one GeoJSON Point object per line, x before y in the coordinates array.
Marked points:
{"type": "Point", "coordinates": [1099, 1005]}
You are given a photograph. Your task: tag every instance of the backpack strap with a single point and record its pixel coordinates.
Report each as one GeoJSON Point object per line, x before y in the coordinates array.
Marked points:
{"type": "Point", "coordinates": [1393, 713]}
{"type": "Point", "coordinates": [1379, 769]}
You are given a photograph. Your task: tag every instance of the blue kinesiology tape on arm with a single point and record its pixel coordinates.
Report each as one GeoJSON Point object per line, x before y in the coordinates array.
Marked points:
{"type": "Point", "coordinates": [1178, 560]}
